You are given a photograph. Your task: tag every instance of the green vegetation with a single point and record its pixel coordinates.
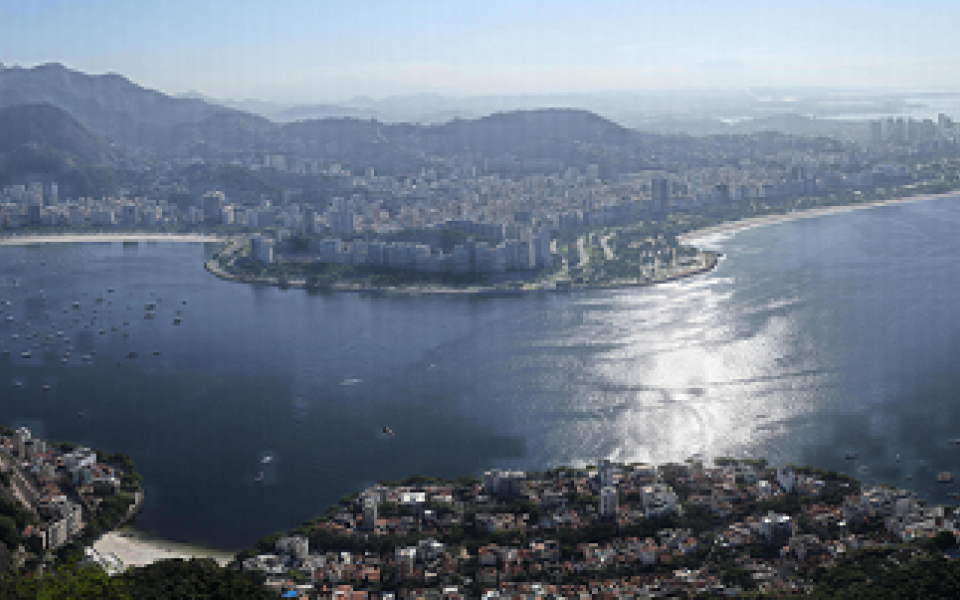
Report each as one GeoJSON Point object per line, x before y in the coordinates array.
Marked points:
{"type": "Point", "coordinates": [196, 578]}
{"type": "Point", "coordinates": [71, 582]}
{"type": "Point", "coordinates": [326, 275]}
{"type": "Point", "coordinates": [888, 573]}
{"type": "Point", "coordinates": [235, 181]}
{"type": "Point", "coordinates": [13, 519]}
{"type": "Point", "coordinates": [112, 510]}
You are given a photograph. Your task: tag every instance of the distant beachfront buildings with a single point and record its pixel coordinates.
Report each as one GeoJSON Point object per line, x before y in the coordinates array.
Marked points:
{"type": "Point", "coordinates": [532, 252]}
{"type": "Point", "coordinates": [261, 249]}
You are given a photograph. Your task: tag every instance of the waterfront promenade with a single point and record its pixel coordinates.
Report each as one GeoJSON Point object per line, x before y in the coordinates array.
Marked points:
{"type": "Point", "coordinates": [733, 226]}
{"type": "Point", "coordinates": [67, 238]}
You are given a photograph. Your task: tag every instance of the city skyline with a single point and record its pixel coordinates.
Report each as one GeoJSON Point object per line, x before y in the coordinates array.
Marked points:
{"type": "Point", "coordinates": [308, 51]}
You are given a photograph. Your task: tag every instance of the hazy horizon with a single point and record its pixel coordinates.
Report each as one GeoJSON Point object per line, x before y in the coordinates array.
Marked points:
{"type": "Point", "coordinates": [307, 52]}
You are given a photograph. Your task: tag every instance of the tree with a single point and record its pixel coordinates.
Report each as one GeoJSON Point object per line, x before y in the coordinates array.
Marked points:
{"type": "Point", "coordinates": [943, 541]}
{"type": "Point", "coordinates": [9, 533]}
{"type": "Point", "coordinates": [194, 578]}
{"type": "Point", "coordinates": [66, 583]}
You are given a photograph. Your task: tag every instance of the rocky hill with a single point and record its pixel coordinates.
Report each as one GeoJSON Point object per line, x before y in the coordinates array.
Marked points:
{"type": "Point", "coordinates": [110, 105]}
{"type": "Point", "coordinates": [46, 127]}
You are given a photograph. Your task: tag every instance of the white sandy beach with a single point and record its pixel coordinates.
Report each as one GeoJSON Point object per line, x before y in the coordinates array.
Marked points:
{"type": "Point", "coordinates": [107, 237]}
{"type": "Point", "coordinates": [135, 550]}
{"type": "Point", "coordinates": [734, 226]}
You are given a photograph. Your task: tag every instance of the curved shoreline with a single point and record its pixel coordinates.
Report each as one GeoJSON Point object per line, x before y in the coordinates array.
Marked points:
{"type": "Point", "coordinates": [136, 549]}
{"type": "Point", "coordinates": [66, 238]}
{"type": "Point", "coordinates": [712, 259]}
{"type": "Point", "coordinates": [691, 238]}
{"type": "Point", "coordinates": [734, 226]}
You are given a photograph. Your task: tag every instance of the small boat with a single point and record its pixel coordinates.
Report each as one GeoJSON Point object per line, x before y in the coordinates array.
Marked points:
{"type": "Point", "coordinates": [109, 290]}
{"type": "Point", "coordinates": [86, 358]}
{"type": "Point", "coordinates": [150, 306]}
{"type": "Point", "coordinates": [18, 383]}
{"type": "Point", "coordinates": [266, 460]}
{"type": "Point", "coordinates": [177, 321]}
{"type": "Point", "coordinates": [156, 353]}
{"type": "Point", "coordinates": [851, 456]}
{"type": "Point", "coordinates": [258, 478]}
{"type": "Point", "coordinates": [76, 305]}
{"type": "Point", "coordinates": [46, 388]}
{"type": "Point", "coordinates": [103, 331]}
{"type": "Point", "coordinates": [131, 354]}
{"type": "Point", "coordinates": [945, 477]}
{"type": "Point", "coordinates": [80, 415]}
{"type": "Point", "coordinates": [149, 315]}
{"type": "Point", "coordinates": [957, 441]}
{"type": "Point", "coordinates": [26, 354]}
{"type": "Point", "coordinates": [387, 431]}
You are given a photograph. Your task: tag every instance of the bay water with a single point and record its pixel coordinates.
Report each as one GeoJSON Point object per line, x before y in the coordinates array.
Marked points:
{"type": "Point", "coordinates": [812, 339]}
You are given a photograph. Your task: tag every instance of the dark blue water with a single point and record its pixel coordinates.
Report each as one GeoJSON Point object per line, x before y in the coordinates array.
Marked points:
{"type": "Point", "coordinates": [812, 339]}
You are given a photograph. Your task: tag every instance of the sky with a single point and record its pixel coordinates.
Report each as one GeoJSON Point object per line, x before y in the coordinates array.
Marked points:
{"type": "Point", "coordinates": [324, 50]}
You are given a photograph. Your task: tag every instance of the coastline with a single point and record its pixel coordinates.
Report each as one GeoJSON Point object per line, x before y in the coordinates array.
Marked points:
{"type": "Point", "coordinates": [734, 226]}
{"type": "Point", "coordinates": [711, 261]}
{"type": "Point", "coordinates": [136, 549]}
{"type": "Point", "coordinates": [106, 237]}
{"type": "Point", "coordinates": [691, 238]}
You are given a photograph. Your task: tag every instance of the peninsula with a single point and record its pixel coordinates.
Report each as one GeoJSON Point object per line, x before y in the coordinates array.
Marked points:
{"type": "Point", "coordinates": [511, 202]}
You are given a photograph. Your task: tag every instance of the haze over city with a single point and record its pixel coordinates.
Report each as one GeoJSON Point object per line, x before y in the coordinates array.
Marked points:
{"type": "Point", "coordinates": [306, 51]}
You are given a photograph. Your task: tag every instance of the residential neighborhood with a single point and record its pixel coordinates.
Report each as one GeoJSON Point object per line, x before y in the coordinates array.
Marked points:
{"type": "Point", "coordinates": [60, 495]}
{"type": "Point", "coordinates": [617, 529]}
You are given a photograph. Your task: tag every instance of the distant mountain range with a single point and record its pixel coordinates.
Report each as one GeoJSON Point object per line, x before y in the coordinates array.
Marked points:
{"type": "Point", "coordinates": [109, 113]}
{"type": "Point", "coordinates": [114, 107]}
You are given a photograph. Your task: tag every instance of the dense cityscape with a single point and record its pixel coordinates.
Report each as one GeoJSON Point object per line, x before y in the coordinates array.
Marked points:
{"type": "Point", "coordinates": [506, 200]}
{"type": "Point", "coordinates": [525, 200]}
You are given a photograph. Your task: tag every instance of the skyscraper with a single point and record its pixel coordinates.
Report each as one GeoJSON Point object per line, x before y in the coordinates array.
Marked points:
{"type": "Point", "coordinates": [661, 195]}
{"type": "Point", "coordinates": [212, 205]}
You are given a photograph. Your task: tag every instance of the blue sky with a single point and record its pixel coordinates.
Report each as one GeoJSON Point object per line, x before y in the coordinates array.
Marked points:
{"type": "Point", "coordinates": [309, 50]}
